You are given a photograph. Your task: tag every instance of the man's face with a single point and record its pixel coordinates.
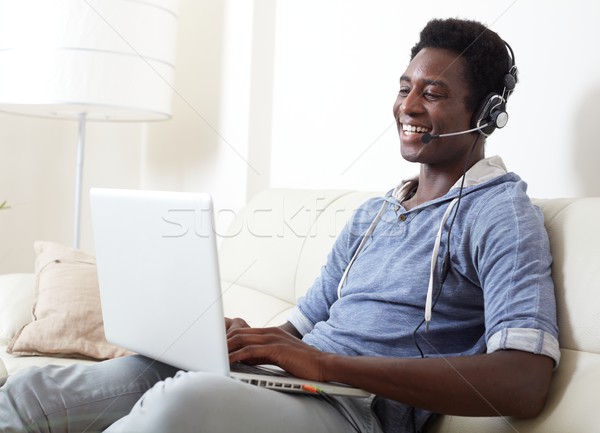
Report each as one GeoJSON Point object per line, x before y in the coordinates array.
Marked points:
{"type": "Point", "coordinates": [432, 96]}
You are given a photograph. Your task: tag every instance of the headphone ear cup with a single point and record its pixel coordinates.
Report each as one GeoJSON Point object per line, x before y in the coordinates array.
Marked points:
{"type": "Point", "coordinates": [510, 81]}
{"type": "Point", "coordinates": [491, 112]}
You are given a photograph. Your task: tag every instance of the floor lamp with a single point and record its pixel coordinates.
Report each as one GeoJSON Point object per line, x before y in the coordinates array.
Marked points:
{"type": "Point", "coordinates": [87, 60]}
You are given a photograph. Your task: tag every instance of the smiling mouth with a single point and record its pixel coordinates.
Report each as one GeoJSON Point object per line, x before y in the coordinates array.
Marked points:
{"type": "Point", "coordinates": [411, 129]}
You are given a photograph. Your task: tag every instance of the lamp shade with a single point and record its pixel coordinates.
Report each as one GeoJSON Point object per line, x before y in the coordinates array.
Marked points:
{"type": "Point", "coordinates": [108, 59]}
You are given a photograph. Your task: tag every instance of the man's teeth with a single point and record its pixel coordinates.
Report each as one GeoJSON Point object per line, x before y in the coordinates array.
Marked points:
{"type": "Point", "coordinates": [410, 129]}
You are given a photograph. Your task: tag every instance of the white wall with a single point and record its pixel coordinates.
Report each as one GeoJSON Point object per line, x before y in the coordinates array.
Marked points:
{"type": "Point", "coordinates": [202, 148]}
{"type": "Point", "coordinates": [37, 177]}
{"type": "Point", "coordinates": [298, 94]}
{"type": "Point", "coordinates": [337, 65]}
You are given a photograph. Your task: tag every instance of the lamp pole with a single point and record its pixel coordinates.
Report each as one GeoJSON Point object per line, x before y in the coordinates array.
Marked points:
{"type": "Point", "coordinates": [79, 179]}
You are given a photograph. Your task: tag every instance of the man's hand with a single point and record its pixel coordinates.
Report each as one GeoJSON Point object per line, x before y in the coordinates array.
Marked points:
{"type": "Point", "coordinates": [231, 324]}
{"type": "Point", "coordinates": [273, 346]}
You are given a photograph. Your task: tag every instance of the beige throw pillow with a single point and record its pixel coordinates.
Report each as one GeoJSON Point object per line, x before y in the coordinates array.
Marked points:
{"type": "Point", "coordinates": [67, 313]}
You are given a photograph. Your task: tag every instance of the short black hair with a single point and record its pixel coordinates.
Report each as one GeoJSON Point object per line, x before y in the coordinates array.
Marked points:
{"type": "Point", "coordinates": [486, 54]}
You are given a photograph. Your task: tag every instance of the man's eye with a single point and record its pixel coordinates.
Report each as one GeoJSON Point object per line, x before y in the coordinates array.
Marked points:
{"type": "Point", "coordinates": [431, 96]}
{"type": "Point", "coordinates": [404, 91]}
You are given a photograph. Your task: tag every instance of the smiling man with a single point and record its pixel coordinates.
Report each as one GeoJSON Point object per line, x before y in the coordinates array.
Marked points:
{"type": "Point", "coordinates": [441, 302]}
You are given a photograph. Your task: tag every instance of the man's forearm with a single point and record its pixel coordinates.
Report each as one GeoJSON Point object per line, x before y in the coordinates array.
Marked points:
{"type": "Point", "coordinates": [502, 383]}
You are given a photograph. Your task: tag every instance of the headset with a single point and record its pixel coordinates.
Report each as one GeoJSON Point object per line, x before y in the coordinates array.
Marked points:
{"type": "Point", "coordinates": [492, 113]}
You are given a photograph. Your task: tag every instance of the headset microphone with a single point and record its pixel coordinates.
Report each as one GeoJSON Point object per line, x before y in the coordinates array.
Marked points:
{"type": "Point", "coordinates": [426, 138]}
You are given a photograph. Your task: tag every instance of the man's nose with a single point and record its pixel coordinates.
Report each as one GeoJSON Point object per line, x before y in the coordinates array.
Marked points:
{"type": "Point", "coordinates": [412, 103]}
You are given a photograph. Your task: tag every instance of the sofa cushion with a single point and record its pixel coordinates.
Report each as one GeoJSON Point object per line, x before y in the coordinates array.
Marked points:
{"type": "Point", "coordinates": [262, 247]}
{"type": "Point", "coordinates": [574, 240]}
{"type": "Point", "coordinates": [67, 312]}
{"type": "Point", "coordinates": [569, 408]}
{"type": "Point", "coordinates": [255, 307]}
{"type": "Point", "coordinates": [328, 225]}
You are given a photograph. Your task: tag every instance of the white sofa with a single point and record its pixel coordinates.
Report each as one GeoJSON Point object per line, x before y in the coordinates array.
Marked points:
{"type": "Point", "coordinates": [277, 244]}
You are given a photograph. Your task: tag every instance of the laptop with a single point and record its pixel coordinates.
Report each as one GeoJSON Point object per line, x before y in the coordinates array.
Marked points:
{"type": "Point", "coordinates": [160, 289]}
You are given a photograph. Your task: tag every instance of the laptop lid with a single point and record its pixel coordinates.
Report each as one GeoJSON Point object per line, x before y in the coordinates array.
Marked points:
{"type": "Point", "coordinates": [159, 278]}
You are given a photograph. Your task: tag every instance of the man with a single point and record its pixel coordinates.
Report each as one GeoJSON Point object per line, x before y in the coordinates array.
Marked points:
{"type": "Point", "coordinates": [487, 345]}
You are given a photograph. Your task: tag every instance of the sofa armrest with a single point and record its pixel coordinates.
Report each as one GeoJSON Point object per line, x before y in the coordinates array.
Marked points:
{"type": "Point", "coordinates": [17, 294]}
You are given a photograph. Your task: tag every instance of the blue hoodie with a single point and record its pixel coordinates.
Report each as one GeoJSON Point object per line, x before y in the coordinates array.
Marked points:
{"type": "Point", "coordinates": [498, 293]}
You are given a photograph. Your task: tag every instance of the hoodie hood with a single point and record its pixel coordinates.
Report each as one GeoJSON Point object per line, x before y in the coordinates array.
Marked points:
{"type": "Point", "coordinates": [483, 171]}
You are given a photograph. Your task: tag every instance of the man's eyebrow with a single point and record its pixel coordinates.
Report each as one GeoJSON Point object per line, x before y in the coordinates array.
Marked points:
{"type": "Point", "coordinates": [426, 81]}
{"type": "Point", "coordinates": [439, 83]}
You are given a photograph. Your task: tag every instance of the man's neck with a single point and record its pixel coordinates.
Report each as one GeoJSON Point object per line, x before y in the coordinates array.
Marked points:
{"type": "Point", "coordinates": [433, 183]}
